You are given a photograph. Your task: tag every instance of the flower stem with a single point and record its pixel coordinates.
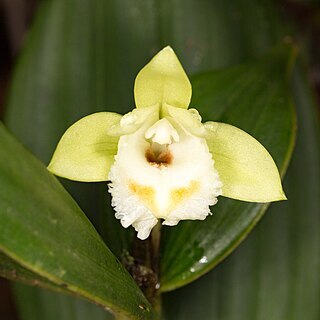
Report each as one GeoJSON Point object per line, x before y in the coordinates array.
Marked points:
{"type": "Point", "coordinates": [155, 259]}
{"type": "Point", "coordinates": [143, 265]}
{"type": "Point", "coordinates": [155, 247]}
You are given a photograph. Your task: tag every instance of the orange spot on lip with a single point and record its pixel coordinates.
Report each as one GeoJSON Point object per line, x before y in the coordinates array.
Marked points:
{"type": "Point", "coordinates": [145, 193]}
{"type": "Point", "coordinates": [179, 195]}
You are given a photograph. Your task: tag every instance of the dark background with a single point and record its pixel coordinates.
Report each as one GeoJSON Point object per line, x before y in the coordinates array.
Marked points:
{"type": "Point", "coordinates": [16, 17]}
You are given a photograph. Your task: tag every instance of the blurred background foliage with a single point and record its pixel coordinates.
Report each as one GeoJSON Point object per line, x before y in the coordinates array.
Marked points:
{"type": "Point", "coordinates": [274, 273]}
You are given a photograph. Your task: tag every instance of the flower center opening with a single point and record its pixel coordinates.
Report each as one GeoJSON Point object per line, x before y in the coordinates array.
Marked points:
{"type": "Point", "coordinates": [160, 135]}
{"type": "Point", "coordinates": [158, 155]}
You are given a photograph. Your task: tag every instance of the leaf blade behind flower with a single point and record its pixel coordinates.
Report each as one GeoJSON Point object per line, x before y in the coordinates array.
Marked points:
{"type": "Point", "coordinates": [255, 98]}
{"type": "Point", "coordinates": [274, 273]}
{"type": "Point", "coordinates": [49, 235]}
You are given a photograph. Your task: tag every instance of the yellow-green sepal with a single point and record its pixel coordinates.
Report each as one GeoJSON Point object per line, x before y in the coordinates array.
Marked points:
{"type": "Point", "coordinates": [163, 80]}
{"type": "Point", "coordinates": [86, 151]}
{"type": "Point", "coordinates": [246, 169]}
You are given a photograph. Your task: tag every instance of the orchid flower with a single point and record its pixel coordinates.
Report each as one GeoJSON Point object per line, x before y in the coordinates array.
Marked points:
{"type": "Point", "coordinates": [162, 162]}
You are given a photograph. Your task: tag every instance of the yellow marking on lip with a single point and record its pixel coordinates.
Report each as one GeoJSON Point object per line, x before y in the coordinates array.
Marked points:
{"type": "Point", "coordinates": [145, 193]}
{"type": "Point", "coordinates": [179, 195]}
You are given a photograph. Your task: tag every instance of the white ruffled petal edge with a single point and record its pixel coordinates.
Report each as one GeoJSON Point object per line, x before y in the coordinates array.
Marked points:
{"type": "Point", "coordinates": [182, 189]}
{"type": "Point", "coordinates": [129, 209]}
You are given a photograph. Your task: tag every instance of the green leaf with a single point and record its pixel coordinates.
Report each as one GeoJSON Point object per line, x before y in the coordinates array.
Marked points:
{"type": "Point", "coordinates": [43, 230]}
{"type": "Point", "coordinates": [10, 269]}
{"type": "Point", "coordinates": [255, 98]}
{"type": "Point", "coordinates": [274, 274]}
{"type": "Point", "coordinates": [39, 304]}
{"type": "Point", "coordinates": [52, 89]}
{"type": "Point", "coordinates": [86, 152]}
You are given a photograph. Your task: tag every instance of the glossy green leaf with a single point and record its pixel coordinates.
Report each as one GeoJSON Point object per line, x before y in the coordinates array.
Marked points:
{"type": "Point", "coordinates": [52, 89]}
{"type": "Point", "coordinates": [10, 269]}
{"type": "Point", "coordinates": [86, 152]}
{"type": "Point", "coordinates": [274, 274]}
{"type": "Point", "coordinates": [162, 81]}
{"type": "Point", "coordinates": [35, 303]}
{"type": "Point", "coordinates": [246, 169]}
{"type": "Point", "coordinates": [47, 233]}
{"type": "Point", "coordinates": [39, 304]}
{"type": "Point", "coordinates": [253, 97]}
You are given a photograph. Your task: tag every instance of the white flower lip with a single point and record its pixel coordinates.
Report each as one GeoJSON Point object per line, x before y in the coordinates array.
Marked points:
{"type": "Point", "coordinates": [160, 174]}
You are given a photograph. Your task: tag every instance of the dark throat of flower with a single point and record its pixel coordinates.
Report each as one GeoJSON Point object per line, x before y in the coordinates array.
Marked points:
{"type": "Point", "coordinates": [158, 155]}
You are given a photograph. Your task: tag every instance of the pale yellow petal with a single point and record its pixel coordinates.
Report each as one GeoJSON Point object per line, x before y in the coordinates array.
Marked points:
{"type": "Point", "coordinates": [246, 169]}
{"type": "Point", "coordinates": [85, 151]}
{"type": "Point", "coordinates": [161, 81]}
